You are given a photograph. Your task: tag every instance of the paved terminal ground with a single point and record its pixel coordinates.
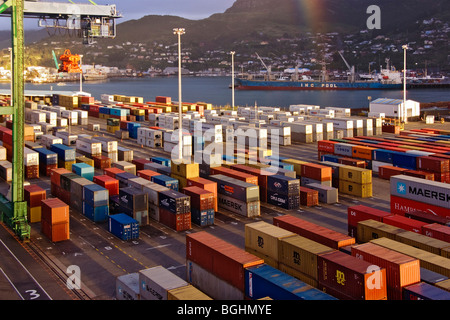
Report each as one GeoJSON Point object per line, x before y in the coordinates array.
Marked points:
{"type": "Point", "coordinates": [102, 257]}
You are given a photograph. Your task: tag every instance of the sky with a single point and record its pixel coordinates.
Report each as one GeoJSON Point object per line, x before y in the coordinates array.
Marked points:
{"type": "Point", "coordinates": [135, 9]}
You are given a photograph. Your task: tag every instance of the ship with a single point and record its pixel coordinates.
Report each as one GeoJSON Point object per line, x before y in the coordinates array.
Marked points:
{"type": "Point", "coordinates": [388, 79]}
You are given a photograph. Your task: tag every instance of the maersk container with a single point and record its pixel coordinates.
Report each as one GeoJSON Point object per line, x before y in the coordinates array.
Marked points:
{"type": "Point", "coordinates": [64, 152]}
{"type": "Point", "coordinates": [84, 170]}
{"type": "Point", "coordinates": [157, 281]}
{"type": "Point", "coordinates": [246, 209]}
{"type": "Point", "coordinates": [236, 189]}
{"type": "Point", "coordinates": [95, 195]}
{"type": "Point", "coordinates": [425, 291]}
{"type": "Point", "coordinates": [175, 202]}
{"type": "Point", "coordinates": [123, 226]}
{"type": "Point", "coordinates": [265, 281]}
{"type": "Point", "coordinates": [431, 192]}
{"type": "Point", "coordinates": [166, 181]}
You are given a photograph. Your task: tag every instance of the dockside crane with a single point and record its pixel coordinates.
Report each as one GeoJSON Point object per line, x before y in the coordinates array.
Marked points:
{"type": "Point", "coordinates": [92, 21]}
{"type": "Point", "coordinates": [351, 69]}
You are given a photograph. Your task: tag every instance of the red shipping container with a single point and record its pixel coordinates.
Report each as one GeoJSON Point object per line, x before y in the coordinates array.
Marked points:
{"type": "Point", "coordinates": [54, 211]}
{"type": "Point", "coordinates": [55, 175]}
{"type": "Point", "coordinates": [401, 206]}
{"type": "Point", "coordinates": [309, 197]}
{"type": "Point", "coordinates": [7, 137]}
{"type": "Point", "coordinates": [101, 162]}
{"type": "Point", "coordinates": [442, 177]}
{"type": "Point", "coordinates": [312, 231]}
{"type": "Point", "coordinates": [55, 232]}
{"type": "Point", "coordinates": [177, 222]}
{"type": "Point", "coordinates": [326, 146]}
{"type": "Point", "coordinates": [139, 163]}
{"type": "Point", "coordinates": [401, 270]}
{"type": "Point", "coordinates": [316, 171]}
{"type": "Point", "coordinates": [348, 278]}
{"type": "Point", "coordinates": [109, 183]}
{"type": "Point", "coordinates": [428, 217]}
{"type": "Point", "coordinates": [112, 171]}
{"type": "Point", "coordinates": [359, 213]}
{"type": "Point", "coordinates": [206, 184]}
{"type": "Point", "coordinates": [405, 223]}
{"type": "Point", "coordinates": [243, 176]}
{"type": "Point", "coordinates": [437, 231]}
{"type": "Point", "coordinates": [200, 198]}
{"type": "Point", "coordinates": [147, 174]}
{"type": "Point", "coordinates": [260, 173]}
{"type": "Point", "coordinates": [386, 172]}
{"type": "Point", "coordinates": [353, 162]}
{"type": "Point", "coordinates": [420, 174]}
{"type": "Point", "coordinates": [219, 257]}
{"type": "Point", "coordinates": [433, 164]}
{"type": "Point", "coordinates": [33, 195]}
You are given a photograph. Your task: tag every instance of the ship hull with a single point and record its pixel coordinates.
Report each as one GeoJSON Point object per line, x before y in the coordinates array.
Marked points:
{"type": "Point", "coordinates": [243, 84]}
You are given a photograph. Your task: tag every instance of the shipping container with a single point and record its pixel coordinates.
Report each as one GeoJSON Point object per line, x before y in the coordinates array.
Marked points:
{"type": "Point", "coordinates": [229, 172]}
{"type": "Point", "coordinates": [201, 199]}
{"type": "Point", "coordinates": [386, 172]}
{"type": "Point", "coordinates": [95, 195]}
{"type": "Point", "coordinates": [246, 209]}
{"type": "Point", "coordinates": [174, 201]}
{"type": "Point", "coordinates": [223, 259]}
{"type": "Point", "coordinates": [359, 213]}
{"type": "Point", "coordinates": [423, 242]}
{"type": "Point", "coordinates": [166, 181]}
{"type": "Point", "coordinates": [205, 184]}
{"type": "Point", "coordinates": [127, 287]}
{"type": "Point", "coordinates": [356, 189]}
{"type": "Point", "coordinates": [188, 292]}
{"type": "Point", "coordinates": [403, 206]}
{"type": "Point", "coordinates": [314, 232]}
{"type": "Point", "coordinates": [429, 218]}
{"type": "Point", "coordinates": [433, 164]}
{"type": "Point", "coordinates": [54, 211]}
{"type": "Point", "coordinates": [401, 270]}
{"type": "Point", "coordinates": [327, 194]}
{"type": "Point", "coordinates": [309, 197]}
{"type": "Point", "coordinates": [133, 199]}
{"type": "Point", "coordinates": [349, 278]}
{"type": "Point", "coordinates": [404, 223]}
{"type": "Point", "coordinates": [437, 231]}
{"type": "Point", "coordinates": [425, 291]}
{"type": "Point", "coordinates": [282, 200]}
{"type": "Point", "coordinates": [177, 222]}
{"type": "Point", "coordinates": [265, 281]}
{"type": "Point", "coordinates": [157, 281]}
{"type": "Point", "coordinates": [316, 171]}
{"type": "Point", "coordinates": [372, 229]}
{"type": "Point", "coordinates": [33, 195]}
{"type": "Point", "coordinates": [355, 174]}
{"type": "Point", "coordinates": [419, 174]}
{"type": "Point", "coordinates": [109, 183]}
{"type": "Point", "coordinates": [236, 189]}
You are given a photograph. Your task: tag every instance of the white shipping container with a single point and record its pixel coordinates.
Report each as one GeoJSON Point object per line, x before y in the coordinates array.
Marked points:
{"type": "Point", "coordinates": [88, 146]}
{"type": "Point", "coordinates": [108, 145]}
{"type": "Point", "coordinates": [153, 190]}
{"type": "Point", "coordinates": [127, 287]}
{"type": "Point", "coordinates": [68, 139]}
{"type": "Point", "coordinates": [2, 153]}
{"type": "Point", "coordinates": [156, 281]}
{"type": "Point", "coordinates": [31, 157]}
{"type": "Point", "coordinates": [48, 139]}
{"type": "Point", "coordinates": [138, 183]}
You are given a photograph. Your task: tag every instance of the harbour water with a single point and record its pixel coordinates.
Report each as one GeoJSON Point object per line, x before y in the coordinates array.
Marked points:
{"type": "Point", "coordinates": [216, 90]}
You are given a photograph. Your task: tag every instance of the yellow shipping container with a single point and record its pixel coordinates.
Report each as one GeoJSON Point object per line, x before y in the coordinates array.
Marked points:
{"type": "Point", "coordinates": [84, 159]}
{"type": "Point", "coordinates": [262, 239]}
{"type": "Point", "coordinates": [423, 242]}
{"type": "Point", "coordinates": [66, 165]}
{"type": "Point", "coordinates": [182, 182]}
{"type": "Point", "coordinates": [261, 152]}
{"type": "Point", "coordinates": [445, 252]}
{"type": "Point", "coordinates": [410, 147]}
{"type": "Point", "coordinates": [34, 214]}
{"type": "Point", "coordinates": [444, 285]}
{"type": "Point", "coordinates": [355, 174]}
{"type": "Point", "coordinates": [300, 254]}
{"type": "Point", "coordinates": [188, 292]}
{"type": "Point", "coordinates": [368, 230]}
{"type": "Point", "coordinates": [112, 129]}
{"type": "Point", "coordinates": [185, 170]}
{"type": "Point", "coordinates": [427, 259]}
{"type": "Point", "coordinates": [355, 189]}
{"type": "Point", "coordinates": [297, 165]}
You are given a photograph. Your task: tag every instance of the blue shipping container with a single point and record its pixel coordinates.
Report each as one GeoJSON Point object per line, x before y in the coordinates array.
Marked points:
{"type": "Point", "coordinates": [96, 213]}
{"type": "Point", "coordinates": [123, 178]}
{"type": "Point", "coordinates": [95, 195]}
{"type": "Point", "coordinates": [424, 291]}
{"type": "Point", "coordinates": [64, 152]}
{"type": "Point", "coordinates": [405, 160]}
{"type": "Point", "coordinates": [123, 226]}
{"type": "Point", "coordinates": [160, 168]}
{"type": "Point", "coordinates": [383, 155]}
{"type": "Point", "coordinates": [202, 218]}
{"type": "Point", "coordinates": [330, 158]}
{"type": "Point", "coordinates": [160, 160]}
{"type": "Point", "coordinates": [166, 181]}
{"type": "Point", "coordinates": [47, 157]}
{"type": "Point", "coordinates": [265, 281]}
{"type": "Point", "coordinates": [84, 170]}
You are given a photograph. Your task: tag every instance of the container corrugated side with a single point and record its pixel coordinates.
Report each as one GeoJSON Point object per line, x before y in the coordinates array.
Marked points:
{"type": "Point", "coordinates": [425, 291]}
{"type": "Point", "coordinates": [437, 231]}
{"type": "Point", "coordinates": [427, 259]}
{"type": "Point", "coordinates": [360, 213]}
{"type": "Point", "coordinates": [401, 270]}
{"type": "Point", "coordinates": [219, 257]}
{"type": "Point", "coordinates": [188, 292]}
{"type": "Point", "coordinates": [262, 239]}
{"type": "Point", "coordinates": [371, 229]}
{"type": "Point", "coordinates": [404, 206]}
{"type": "Point", "coordinates": [404, 223]}
{"type": "Point", "coordinates": [423, 242]}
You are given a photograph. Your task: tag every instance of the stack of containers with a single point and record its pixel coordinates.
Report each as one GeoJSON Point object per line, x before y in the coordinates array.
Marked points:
{"type": "Point", "coordinates": [134, 202]}
{"type": "Point", "coordinates": [152, 191]}
{"type": "Point", "coordinates": [283, 192]}
{"type": "Point", "coordinates": [88, 147]}
{"type": "Point", "coordinates": [411, 193]}
{"type": "Point", "coordinates": [217, 267]}
{"type": "Point", "coordinates": [312, 231]}
{"type": "Point", "coordinates": [109, 148]}
{"type": "Point", "coordinates": [175, 210]}
{"type": "Point", "coordinates": [440, 167]}
{"type": "Point", "coordinates": [262, 175]}
{"type": "Point", "coordinates": [84, 170]}
{"type": "Point", "coordinates": [207, 185]}
{"type": "Point", "coordinates": [48, 160]}
{"type": "Point", "coordinates": [55, 182]}
{"type": "Point", "coordinates": [101, 162]}
{"type": "Point", "coordinates": [166, 181]}
{"type": "Point", "coordinates": [263, 240]}
{"type": "Point", "coordinates": [401, 270]}
{"type": "Point", "coordinates": [355, 181]}
{"type": "Point", "coordinates": [95, 202]}
{"type": "Point", "coordinates": [183, 171]}
{"type": "Point", "coordinates": [77, 192]}
{"type": "Point", "coordinates": [123, 226]}
{"type": "Point", "coordinates": [237, 196]}
{"type": "Point", "coordinates": [33, 195]}
{"type": "Point", "coordinates": [55, 219]}
{"type": "Point", "coordinates": [315, 173]}
{"type": "Point", "coordinates": [31, 162]}
{"type": "Point", "coordinates": [202, 205]}
{"type": "Point", "coordinates": [156, 283]}
{"type": "Point", "coordinates": [66, 155]}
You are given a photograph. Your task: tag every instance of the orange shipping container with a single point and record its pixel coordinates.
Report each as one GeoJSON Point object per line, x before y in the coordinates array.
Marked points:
{"type": "Point", "coordinates": [55, 175]}
{"type": "Point", "coordinates": [243, 176]}
{"type": "Point", "coordinates": [401, 270]}
{"type": "Point", "coordinates": [348, 278]}
{"type": "Point", "coordinates": [55, 232]}
{"type": "Point", "coordinates": [206, 184]}
{"type": "Point", "coordinates": [220, 258]}
{"type": "Point", "coordinates": [54, 211]}
{"type": "Point", "coordinates": [33, 194]}
{"type": "Point", "coordinates": [316, 171]}
{"type": "Point", "coordinates": [362, 152]}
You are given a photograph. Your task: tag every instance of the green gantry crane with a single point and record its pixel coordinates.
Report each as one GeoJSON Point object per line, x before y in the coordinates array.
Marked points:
{"type": "Point", "coordinates": [92, 21]}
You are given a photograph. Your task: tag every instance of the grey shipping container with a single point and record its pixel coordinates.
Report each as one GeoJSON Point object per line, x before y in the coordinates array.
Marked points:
{"type": "Point", "coordinates": [247, 209]}
{"type": "Point", "coordinates": [235, 188]}
{"type": "Point", "coordinates": [326, 194]}
{"type": "Point", "coordinates": [155, 282]}
{"type": "Point", "coordinates": [305, 181]}
{"type": "Point", "coordinates": [127, 287]}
